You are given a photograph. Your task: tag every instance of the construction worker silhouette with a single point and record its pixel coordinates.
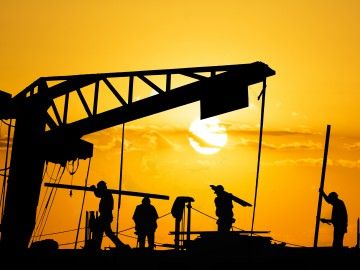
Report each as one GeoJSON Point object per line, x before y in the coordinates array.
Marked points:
{"type": "Point", "coordinates": [339, 218]}
{"type": "Point", "coordinates": [105, 218]}
{"type": "Point", "coordinates": [224, 208]}
{"type": "Point", "coordinates": [145, 217]}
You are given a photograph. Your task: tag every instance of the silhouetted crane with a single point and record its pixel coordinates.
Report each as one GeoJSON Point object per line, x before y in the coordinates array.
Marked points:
{"type": "Point", "coordinates": [43, 132]}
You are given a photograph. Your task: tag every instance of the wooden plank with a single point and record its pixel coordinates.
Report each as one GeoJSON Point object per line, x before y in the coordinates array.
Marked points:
{"type": "Point", "coordinates": [113, 191]}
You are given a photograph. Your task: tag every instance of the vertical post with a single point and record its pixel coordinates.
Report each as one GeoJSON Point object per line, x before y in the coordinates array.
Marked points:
{"type": "Point", "coordinates": [86, 229]}
{"type": "Point", "coordinates": [262, 94]}
{"type": "Point", "coordinates": [318, 214]}
{"type": "Point", "coordinates": [177, 233]}
{"type": "Point", "coordinates": [25, 176]}
{"type": "Point", "coordinates": [188, 223]}
{"type": "Point", "coordinates": [121, 174]}
{"type": "Point", "coordinates": [358, 233]}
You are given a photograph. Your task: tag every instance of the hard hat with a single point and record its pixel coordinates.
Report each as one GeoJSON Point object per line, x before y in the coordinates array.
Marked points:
{"type": "Point", "coordinates": [217, 188]}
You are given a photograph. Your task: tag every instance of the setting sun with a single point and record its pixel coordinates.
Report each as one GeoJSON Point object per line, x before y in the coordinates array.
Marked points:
{"type": "Point", "coordinates": [207, 136]}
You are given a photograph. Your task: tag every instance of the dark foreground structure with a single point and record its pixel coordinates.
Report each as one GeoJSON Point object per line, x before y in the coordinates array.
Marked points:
{"type": "Point", "coordinates": [209, 251]}
{"type": "Point", "coordinates": [277, 258]}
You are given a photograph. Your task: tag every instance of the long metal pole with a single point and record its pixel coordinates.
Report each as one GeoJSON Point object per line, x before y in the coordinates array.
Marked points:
{"type": "Point", "coordinates": [318, 214]}
{"type": "Point", "coordinates": [121, 177]}
{"type": "Point", "coordinates": [188, 223]}
{"type": "Point", "coordinates": [113, 191]}
{"type": "Point", "coordinates": [262, 94]}
{"type": "Point", "coordinates": [358, 233]}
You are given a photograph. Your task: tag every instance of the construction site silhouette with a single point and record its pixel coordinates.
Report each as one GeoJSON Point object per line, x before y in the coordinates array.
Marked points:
{"type": "Point", "coordinates": [41, 137]}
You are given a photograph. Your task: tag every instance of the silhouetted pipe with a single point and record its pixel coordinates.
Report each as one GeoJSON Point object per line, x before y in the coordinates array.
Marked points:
{"type": "Point", "coordinates": [322, 185]}
{"type": "Point", "coordinates": [358, 234]}
{"type": "Point", "coordinates": [188, 223]}
{"type": "Point", "coordinates": [262, 115]}
{"type": "Point", "coordinates": [113, 191]}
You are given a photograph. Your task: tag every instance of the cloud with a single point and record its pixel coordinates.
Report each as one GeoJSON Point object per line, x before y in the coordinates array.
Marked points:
{"type": "Point", "coordinates": [156, 141]}
{"type": "Point", "coordinates": [245, 129]}
{"type": "Point", "coordinates": [351, 164]}
{"type": "Point", "coordinates": [137, 138]}
{"type": "Point", "coordinates": [301, 161]}
{"type": "Point", "coordinates": [307, 145]}
{"type": "Point", "coordinates": [3, 144]}
{"type": "Point", "coordinates": [352, 146]}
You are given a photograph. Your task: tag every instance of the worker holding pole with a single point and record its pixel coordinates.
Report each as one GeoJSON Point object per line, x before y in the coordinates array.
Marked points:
{"type": "Point", "coordinates": [106, 206]}
{"type": "Point", "coordinates": [339, 217]}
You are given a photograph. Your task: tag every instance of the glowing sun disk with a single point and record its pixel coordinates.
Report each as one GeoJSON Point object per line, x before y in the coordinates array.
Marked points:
{"type": "Point", "coordinates": [207, 136]}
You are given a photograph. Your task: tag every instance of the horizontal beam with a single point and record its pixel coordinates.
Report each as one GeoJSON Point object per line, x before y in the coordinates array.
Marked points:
{"type": "Point", "coordinates": [187, 70]}
{"type": "Point", "coordinates": [246, 74]}
{"type": "Point", "coordinates": [217, 232]}
{"type": "Point", "coordinates": [113, 191]}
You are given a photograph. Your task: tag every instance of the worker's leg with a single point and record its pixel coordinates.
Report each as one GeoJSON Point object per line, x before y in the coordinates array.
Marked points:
{"type": "Point", "coordinates": [338, 238]}
{"type": "Point", "coordinates": [224, 225]}
{"type": "Point", "coordinates": [109, 233]}
{"type": "Point", "coordinates": [141, 240]}
{"type": "Point", "coordinates": [151, 240]}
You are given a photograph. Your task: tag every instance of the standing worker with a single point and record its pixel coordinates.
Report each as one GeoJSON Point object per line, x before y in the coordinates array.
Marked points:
{"type": "Point", "coordinates": [224, 207]}
{"type": "Point", "coordinates": [339, 217]}
{"type": "Point", "coordinates": [106, 206]}
{"type": "Point", "coordinates": [145, 217]}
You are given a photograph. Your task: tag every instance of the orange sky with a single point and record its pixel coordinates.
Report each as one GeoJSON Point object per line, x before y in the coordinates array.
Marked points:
{"type": "Point", "coordinates": [312, 46]}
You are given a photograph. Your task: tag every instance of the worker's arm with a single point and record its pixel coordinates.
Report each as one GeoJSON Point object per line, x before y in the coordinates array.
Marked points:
{"type": "Point", "coordinates": [94, 189]}
{"type": "Point", "coordinates": [325, 220]}
{"type": "Point", "coordinates": [322, 192]}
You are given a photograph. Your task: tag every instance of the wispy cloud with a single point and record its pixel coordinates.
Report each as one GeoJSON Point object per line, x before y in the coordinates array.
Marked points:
{"type": "Point", "coordinates": [307, 145]}
{"type": "Point", "coordinates": [352, 146]}
{"type": "Point", "coordinates": [3, 143]}
{"type": "Point", "coordinates": [352, 164]}
{"type": "Point", "coordinates": [137, 138]}
{"type": "Point", "coordinates": [349, 164]}
{"type": "Point", "coordinates": [301, 161]}
{"type": "Point", "coordinates": [254, 130]}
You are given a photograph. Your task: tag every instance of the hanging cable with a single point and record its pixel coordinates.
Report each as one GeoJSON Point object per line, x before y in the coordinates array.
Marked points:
{"type": "Point", "coordinates": [262, 95]}
{"type": "Point", "coordinates": [50, 179]}
{"type": "Point", "coordinates": [121, 176]}
{"type": "Point", "coordinates": [41, 210]}
{"type": "Point", "coordinates": [74, 164]}
{"type": "Point", "coordinates": [51, 204]}
{"type": "Point", "coordinates": [72, 230]}
{"type": "Point", "coordinates": [213, 217]}
{"type": "Point", "coordinates": [82, 204]}
{"type": "Point", "coordinates": [47, 209]}
{"type": "Point", "coordinates": [204, 214]}
{"type": "Point", "coordinates": [73, 170]}
{"type": "Point", "coordinates": [60, 232]}
{"type": "Point", "coordinates": [9, 125]}
{"type": "Point", "coordinates": [3, 191]}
